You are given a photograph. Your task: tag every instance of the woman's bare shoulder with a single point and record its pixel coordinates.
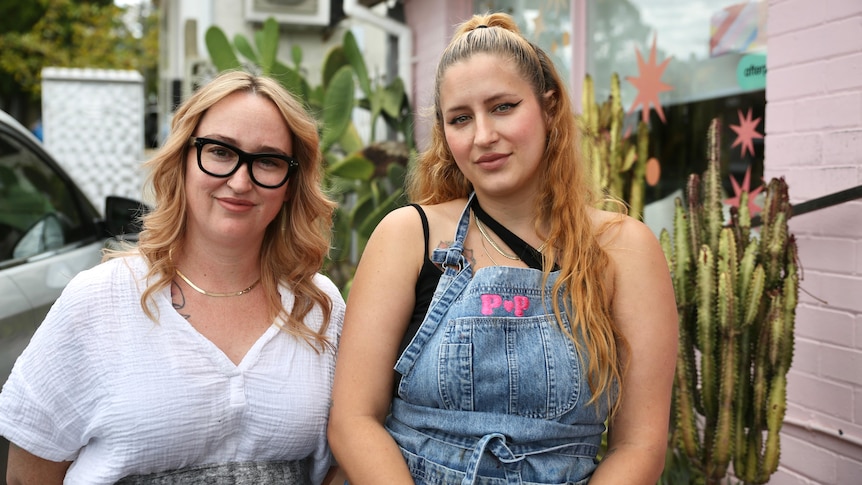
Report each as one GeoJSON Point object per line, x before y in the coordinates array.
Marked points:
{"type": "Point", "coordinates": [451, 209]}
{"type": "Point", "coordinates": [614, 229]}
{"type": "Point", "coordinates": [443, 219]}
{"type": "Point", "coordinates": [444, 210]}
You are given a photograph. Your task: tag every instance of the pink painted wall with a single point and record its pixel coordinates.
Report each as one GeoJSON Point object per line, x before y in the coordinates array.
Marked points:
{"type": "Point", "coordinates": [814, 140]}
{"type": "Point", "coordinates": [433, 23]}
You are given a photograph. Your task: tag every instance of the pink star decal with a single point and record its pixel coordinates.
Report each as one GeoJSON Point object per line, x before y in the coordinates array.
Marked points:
{"type": "Point", "coordinates": [649, 84]}
{"type": "Point", "coordinates": [746, 132]}
{"type": "Point", "coordinates": [753, 208]}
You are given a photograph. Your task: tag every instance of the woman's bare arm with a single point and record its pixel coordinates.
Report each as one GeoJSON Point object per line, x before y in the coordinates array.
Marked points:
{"type": "Point", "coordinates": [379, 306]}
{"type": "Point", "coordinates": [25, 468]}
{"type": "Point", "coordinates": [644, 310]}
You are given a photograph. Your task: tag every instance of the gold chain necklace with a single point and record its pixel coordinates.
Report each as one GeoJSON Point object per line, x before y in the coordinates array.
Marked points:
{"type": "Point", "coordinates": [485, 250]}
{"type": "Point", "coordinates": [493, 244]}
{"type": "Point", "coordinates": [209, 293]}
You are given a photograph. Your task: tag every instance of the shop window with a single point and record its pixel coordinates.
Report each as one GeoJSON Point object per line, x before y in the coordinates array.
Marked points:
{"type": "Point", "coordinates": [711, 57]}
{"type": "Point", "coordinates": [707, 59]}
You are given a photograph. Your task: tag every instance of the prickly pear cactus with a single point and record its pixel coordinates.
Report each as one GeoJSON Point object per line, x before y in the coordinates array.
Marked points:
{"type": "Point", "coordinates": [736, 293]}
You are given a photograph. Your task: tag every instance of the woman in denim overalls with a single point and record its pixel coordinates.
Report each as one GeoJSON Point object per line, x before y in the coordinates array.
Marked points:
{"type": "Point", "coordinates": [536, 318]}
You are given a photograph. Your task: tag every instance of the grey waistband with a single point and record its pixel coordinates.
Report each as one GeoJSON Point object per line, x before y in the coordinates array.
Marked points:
{"type": "Point", "coordinates": [246, 473]}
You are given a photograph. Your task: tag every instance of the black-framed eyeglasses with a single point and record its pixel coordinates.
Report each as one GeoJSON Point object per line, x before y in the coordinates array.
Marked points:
{"type": "Point", "coordinates": [220, 159]}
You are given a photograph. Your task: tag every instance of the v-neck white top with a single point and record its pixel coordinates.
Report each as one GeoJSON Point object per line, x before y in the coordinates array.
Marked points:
{"type": "Point", "coordinates": [103, 385]}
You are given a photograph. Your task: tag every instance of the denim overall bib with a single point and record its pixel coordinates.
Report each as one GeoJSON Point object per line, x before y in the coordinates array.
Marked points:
{"type": "Point", "coordinates": [492, 391]}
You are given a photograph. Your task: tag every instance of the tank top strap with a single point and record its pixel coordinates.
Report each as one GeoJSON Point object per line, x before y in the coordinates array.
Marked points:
{"type": "Point", "coordinates": [425, 230]}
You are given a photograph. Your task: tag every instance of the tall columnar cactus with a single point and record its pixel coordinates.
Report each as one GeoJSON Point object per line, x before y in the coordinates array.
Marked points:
{"type": "Point", "coordinates": [736, 295]}
{"type": "Point", "coordinates": [618, 164]}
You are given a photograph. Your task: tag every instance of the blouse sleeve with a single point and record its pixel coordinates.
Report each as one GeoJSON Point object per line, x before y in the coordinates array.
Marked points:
{"type": "Point", "coordinates": [52, 392]}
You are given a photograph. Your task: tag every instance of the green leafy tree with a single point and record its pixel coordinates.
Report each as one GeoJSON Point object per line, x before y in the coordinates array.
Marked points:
{"type": "Point", "coordinates": [66, 33]}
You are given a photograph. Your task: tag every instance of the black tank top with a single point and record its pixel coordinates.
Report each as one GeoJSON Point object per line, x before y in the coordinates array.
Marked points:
{"type": "Point", "coordinates": [429, 276]}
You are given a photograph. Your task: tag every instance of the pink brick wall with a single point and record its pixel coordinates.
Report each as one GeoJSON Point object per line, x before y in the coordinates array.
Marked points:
{"type": "Point", "coordinates": [814, 140]}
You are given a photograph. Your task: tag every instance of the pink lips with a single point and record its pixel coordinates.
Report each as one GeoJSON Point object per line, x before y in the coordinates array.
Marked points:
{"type": "Point", "coordinates": [236, 205]}
{"type": "Point", "coordinates": [491, 157]}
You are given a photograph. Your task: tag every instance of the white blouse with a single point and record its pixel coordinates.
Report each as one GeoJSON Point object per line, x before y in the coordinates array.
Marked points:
{"type": "Point", "coordinates": [103, 385]}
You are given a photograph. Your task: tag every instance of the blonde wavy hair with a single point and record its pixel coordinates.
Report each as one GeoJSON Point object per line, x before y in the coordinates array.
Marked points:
{"type": "Point", "coordinates": [566, 195]}
{"type": "Point", "coordinates": [295, 243]}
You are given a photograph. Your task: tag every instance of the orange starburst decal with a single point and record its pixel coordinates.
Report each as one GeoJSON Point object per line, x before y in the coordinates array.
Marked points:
{"type": "Point", "coordinates": [649, 84]}
{"type": "Point", "coordinates": [753, 208]}
{"type": "Point", "coordinates": [746, 132]}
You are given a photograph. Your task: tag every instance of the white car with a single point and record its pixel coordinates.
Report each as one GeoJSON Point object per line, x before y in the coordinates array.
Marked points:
{"type": "Point", "coordinates": [49, 232]}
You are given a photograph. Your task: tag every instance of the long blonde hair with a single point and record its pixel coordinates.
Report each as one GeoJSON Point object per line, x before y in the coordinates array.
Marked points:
{"type": "Point", "coordinates": [295, 243]}
{"type": "Point", "coordinates": [566, 194]}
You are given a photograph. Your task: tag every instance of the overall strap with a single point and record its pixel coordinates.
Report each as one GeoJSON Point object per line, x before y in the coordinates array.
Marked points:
{"type": "Point", "coordinates": [452, 258]}
{"type": "Point", "coordinates": [455, 278]}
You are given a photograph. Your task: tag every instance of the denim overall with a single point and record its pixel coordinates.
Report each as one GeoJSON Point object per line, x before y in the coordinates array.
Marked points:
{"type": "Point", "coordinates": [492, 391]}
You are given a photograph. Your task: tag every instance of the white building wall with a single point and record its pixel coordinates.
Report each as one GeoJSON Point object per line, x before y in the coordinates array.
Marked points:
{"type": "Point", "coordinates": [93, 121]}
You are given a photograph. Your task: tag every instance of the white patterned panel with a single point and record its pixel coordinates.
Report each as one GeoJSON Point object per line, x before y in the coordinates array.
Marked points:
{"type": "Point", "coordinates": [93, 121]}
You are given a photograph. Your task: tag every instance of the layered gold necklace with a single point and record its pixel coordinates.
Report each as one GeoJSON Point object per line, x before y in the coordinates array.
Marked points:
{"type": "Point", "coordinates": [491, 241]}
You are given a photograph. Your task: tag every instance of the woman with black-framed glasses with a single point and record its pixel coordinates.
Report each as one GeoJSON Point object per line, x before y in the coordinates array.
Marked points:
{"type": "Point", "coordinates": [205, 354]}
